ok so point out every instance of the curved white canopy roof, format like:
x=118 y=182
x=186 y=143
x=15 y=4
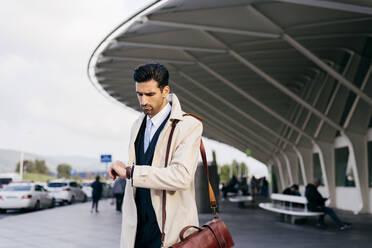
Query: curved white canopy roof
x=264 y=75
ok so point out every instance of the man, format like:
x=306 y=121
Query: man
x=316 y=203
x=293 y=190
x=142 y=217
x=118 y=191
x=96 y=193
x=232 y=186
x=254 y=185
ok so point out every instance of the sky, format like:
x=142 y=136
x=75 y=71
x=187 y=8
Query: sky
x=47 y=104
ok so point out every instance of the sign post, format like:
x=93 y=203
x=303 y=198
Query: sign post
x=106 y=158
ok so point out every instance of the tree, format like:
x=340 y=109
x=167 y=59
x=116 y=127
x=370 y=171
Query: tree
x=64 y=170
x=225 y=173
x=235 y=166
x=41 y=167
x=244 y=169
x=37 y=166
x=28 y=166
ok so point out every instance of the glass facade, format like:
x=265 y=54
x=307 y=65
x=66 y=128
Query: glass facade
x=317 y=169
x=344 y=172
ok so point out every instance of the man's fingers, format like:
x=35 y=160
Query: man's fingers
x=112 y=173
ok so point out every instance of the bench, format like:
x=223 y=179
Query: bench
x=241 y=199
x=291 y=206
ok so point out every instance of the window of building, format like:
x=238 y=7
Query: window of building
x=344 y=172
x=317 y=169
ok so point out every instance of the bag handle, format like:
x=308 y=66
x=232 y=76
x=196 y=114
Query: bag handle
x=174 y=123
x=212 y=198
x=182 y=233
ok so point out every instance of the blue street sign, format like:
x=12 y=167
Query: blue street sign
x=106 y=158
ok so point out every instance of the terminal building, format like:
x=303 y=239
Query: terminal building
x=288 y=79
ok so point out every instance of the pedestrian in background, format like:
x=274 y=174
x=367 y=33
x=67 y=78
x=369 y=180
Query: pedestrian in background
x=96 y=193
x=265 y=187
x=254 y=185
x=118 y=191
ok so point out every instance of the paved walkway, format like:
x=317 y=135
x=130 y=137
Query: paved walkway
x=253 y=227
x=63 y=227
x=75 y=227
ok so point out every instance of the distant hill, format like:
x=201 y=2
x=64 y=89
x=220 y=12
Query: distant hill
x=9 y=159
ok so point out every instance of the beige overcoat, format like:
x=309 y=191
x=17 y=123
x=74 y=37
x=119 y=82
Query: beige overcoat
x=177 y=179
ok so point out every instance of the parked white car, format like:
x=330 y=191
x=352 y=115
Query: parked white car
x=87 y=189
x=25 y=196
x=66 y=191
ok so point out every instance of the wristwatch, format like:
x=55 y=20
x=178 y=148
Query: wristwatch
x=128 y=172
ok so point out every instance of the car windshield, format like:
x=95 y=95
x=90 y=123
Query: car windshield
x=5 y=181
x=56 y=185
x=17 y=188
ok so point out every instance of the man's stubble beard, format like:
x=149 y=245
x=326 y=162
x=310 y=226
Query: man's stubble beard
x=147 y=111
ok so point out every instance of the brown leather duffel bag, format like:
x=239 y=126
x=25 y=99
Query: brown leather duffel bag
x=214 y=233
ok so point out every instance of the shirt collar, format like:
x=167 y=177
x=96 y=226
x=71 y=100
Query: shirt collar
x=160 y=117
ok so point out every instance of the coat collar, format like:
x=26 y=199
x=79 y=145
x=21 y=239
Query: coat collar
x=176 y=112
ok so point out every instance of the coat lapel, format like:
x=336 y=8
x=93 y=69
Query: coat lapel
x=132 y=150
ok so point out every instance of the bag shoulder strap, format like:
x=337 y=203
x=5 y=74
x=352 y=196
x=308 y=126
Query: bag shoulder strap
x=212 y=198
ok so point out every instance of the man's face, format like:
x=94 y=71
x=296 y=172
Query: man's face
x=150 y=97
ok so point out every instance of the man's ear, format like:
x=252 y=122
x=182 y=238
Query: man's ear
x=165 y=91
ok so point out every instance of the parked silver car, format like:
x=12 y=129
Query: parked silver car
x=25 y=196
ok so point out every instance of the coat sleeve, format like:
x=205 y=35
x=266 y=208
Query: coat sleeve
x=181 y=170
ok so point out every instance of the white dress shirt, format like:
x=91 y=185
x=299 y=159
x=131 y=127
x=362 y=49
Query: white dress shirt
x=152 y=124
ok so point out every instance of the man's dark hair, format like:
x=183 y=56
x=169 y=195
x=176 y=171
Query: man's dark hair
x=295 y=186
x=155 y=71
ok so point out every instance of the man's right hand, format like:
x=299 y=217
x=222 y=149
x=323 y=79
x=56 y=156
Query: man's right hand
x=117 y=169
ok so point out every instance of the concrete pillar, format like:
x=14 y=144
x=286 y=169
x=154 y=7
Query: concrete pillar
x=307 y=156
x=270 y=172
x=293 y=162
x=281 y=177
x=201 y=187
x=326 y=155
x=288 y=168
x=301 y=163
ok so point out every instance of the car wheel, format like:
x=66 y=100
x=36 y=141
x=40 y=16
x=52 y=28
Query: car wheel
x=53 y=203
x=37 y=205
x=72 y=200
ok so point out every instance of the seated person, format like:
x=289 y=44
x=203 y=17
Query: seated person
x=232 y=186
x=293 y=190
x=243 y=186
x=316 y=203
